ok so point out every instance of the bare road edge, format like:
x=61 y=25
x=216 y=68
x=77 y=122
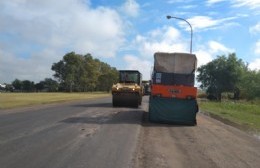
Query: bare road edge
x=244 y=128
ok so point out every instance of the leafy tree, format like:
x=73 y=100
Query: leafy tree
x=90 y=77
x=222 y=75
x=9 y=88
x=51 y=85
x=250 y=85
x=48 y=85
x=59 y=69
x=66 y=69
x=17 y=84
x=39 y=86
x=83 y=73
x=27 y=86
x=107 y=78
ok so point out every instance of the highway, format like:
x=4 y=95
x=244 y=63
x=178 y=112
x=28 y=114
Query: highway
x=88 y=134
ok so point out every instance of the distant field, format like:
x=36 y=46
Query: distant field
x=242 y=113
x=12 y=100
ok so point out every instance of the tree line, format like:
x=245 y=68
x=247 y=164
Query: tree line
x=83 y=73
x=228 y=74
x=74 y=73
x=48 y=85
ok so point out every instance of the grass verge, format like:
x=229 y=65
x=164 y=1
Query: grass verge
x=13 y=100
x=244 y=114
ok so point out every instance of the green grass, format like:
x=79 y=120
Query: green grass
x=243 y=113
x=13 y=100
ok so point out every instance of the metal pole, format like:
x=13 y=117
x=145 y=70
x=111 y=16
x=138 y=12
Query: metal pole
x=191 y=32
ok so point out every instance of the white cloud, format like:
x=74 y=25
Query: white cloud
x=131 y=8
x=70 y=24
x=216 y=47
x=169 y=39
x=257 y=48
x=209 y=51
x=211 y=2
x=45 y=30
x=203 y=57
x=173 y=1
x=135 y=63
x=189 y=6
x=200 y=22
x=255 y=65
x=252 y=4
x=205 y=22
x=255 y=29
x=36 y=68
x=166 y=39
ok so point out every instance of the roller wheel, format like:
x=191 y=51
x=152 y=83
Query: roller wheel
x=114 y=102
x=136 y=103
x=140 y=100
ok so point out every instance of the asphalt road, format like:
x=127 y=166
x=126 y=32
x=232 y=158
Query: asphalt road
x=80 y=134
x=94 y=134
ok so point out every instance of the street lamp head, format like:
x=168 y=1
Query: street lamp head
x=169 y=17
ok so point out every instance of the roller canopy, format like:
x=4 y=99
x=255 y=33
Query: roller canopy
x=181 y=63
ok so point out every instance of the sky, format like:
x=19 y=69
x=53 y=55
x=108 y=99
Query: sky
x=123 y=33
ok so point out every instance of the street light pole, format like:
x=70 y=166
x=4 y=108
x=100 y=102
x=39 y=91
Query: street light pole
x=191 y=32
